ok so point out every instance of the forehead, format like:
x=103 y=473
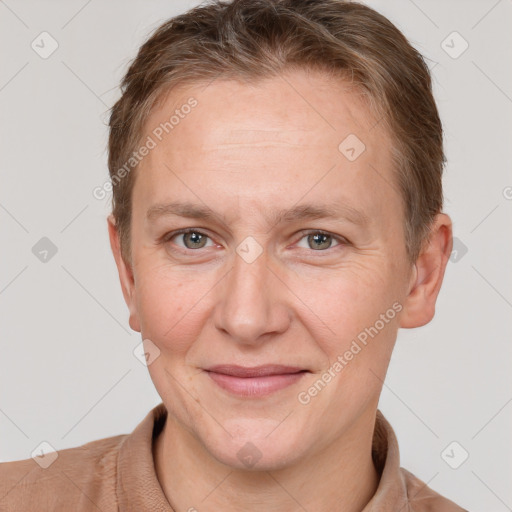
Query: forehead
x=273 y=140
x=296 y=107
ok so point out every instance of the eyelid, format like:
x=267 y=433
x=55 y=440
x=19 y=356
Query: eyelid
x=170 y=235
x=342 y=241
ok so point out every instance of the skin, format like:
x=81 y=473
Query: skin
x=245 y=151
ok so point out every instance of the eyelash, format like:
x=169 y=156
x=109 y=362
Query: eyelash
x=305 y=232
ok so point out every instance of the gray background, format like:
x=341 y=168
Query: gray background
x=67 y=370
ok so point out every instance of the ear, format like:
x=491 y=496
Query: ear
x=427 y=275
x=125 y=274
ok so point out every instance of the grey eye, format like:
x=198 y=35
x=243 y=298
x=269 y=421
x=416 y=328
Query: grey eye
x=190 y=239
x=319 y=241
x=196 y=240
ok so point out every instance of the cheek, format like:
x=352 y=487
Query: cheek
x=358 y=313
x=170 y=306
x=346 y=301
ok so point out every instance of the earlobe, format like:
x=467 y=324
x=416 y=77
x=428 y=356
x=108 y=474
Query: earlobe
x=427 y=275
x=125 y=272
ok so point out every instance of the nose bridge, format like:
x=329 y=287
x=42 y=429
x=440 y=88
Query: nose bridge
x=249 y=306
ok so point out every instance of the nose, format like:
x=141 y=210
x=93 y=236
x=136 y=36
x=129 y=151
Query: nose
x=251 y=304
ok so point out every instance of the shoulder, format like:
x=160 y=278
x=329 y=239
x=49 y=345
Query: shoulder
x=78 y=478
x=424 y=499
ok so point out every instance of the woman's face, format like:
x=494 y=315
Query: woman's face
x=262 y=279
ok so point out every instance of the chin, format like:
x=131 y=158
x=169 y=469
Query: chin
x=257 y=449
x=250 y=457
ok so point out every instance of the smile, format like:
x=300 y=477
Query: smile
x=254 y=382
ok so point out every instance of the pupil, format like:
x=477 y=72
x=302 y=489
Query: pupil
x=320 y=238
x=195 y=237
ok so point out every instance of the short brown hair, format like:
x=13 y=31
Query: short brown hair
x=257 y=39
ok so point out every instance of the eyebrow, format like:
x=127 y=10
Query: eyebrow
x=299 y=212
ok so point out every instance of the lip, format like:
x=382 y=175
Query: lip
x=254 y=371
x=257 y=381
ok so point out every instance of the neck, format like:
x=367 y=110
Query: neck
x=341 y=477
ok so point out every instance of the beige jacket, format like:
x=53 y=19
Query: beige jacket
x=118 y=474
